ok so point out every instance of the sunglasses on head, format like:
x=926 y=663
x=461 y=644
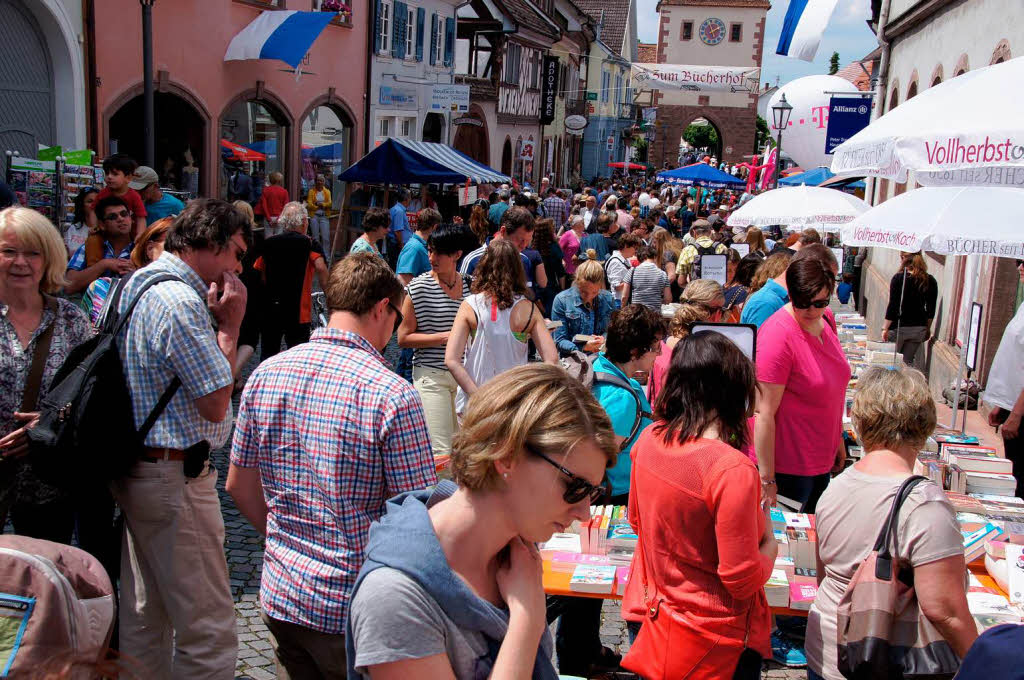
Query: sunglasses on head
x=576 y=488
x=817 y=304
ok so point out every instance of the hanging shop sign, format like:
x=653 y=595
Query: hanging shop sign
x=454 y=98
x=468 y=120
x=548 y=90
x=398 y=97
x=591 y=96
x=575 y=123
x=846 y=117
x=695 y=78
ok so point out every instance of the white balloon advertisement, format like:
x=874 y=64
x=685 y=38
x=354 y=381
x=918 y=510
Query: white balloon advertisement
x=804 y=137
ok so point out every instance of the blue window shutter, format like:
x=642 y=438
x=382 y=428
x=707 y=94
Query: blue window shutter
x=433 y=38
x=449 y=41
x=421 y=15
x=399 y=20
x=376 y=32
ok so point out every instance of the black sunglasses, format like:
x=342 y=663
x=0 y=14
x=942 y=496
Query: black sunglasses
x=577 y=488
x=817 y=304
x=399 y=317
x=115 y=216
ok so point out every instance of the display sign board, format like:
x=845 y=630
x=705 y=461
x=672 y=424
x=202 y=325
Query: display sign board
x=742 y=248
x=575 y=124
x=743 y=335
x=972 y=339
x=695 y=78
x=591 y=96
x=526 y=154
x=548 y=90
x=714 y=267
x=846 y=117
x=398 y=97
x=467 y=195
x=454 y=98
x=838 y=252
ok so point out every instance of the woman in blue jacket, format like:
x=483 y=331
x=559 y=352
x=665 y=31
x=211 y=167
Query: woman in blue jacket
x=583 y=309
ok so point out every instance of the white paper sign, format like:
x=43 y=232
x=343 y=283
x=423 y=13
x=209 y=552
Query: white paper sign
x=742 y=248
x=467 y=195
x=695 y=78
x=714 y=267
x=1015 y=572
x=838 y=252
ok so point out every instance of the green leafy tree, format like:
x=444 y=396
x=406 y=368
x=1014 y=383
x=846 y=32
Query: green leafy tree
x=833 y=64
x=700 y=136
x=763 y=136
x=641 y=148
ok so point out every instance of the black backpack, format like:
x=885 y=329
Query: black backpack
x=86 y=430
x=701 y=252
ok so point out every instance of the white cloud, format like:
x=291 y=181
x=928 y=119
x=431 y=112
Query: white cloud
x=852 y=12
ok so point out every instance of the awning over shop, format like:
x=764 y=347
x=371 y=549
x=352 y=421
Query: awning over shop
x=402 y=161
x=700 y=173
x=815 y=178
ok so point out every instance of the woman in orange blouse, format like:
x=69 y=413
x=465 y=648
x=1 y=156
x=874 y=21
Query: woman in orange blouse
x=706 y=547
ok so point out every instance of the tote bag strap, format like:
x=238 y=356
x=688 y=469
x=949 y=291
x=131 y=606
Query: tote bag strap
x=883 y=563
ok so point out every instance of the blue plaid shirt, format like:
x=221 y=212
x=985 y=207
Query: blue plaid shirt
x=556 y=209
x=77 y=262
x=171 y=334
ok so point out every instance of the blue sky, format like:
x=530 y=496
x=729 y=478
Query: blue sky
x=847 y=34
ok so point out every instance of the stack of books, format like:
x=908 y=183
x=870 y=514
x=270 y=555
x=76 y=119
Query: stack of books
x=565 y=543
x=802 y=594
x=592 y=578
x=777 y=589
x=975 y=539
x=566 y=562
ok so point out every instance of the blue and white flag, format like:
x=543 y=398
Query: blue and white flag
x=803 y=26
x=285 y=35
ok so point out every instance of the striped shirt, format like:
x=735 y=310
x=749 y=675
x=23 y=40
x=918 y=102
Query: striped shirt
x=435 y=313
x=647 y=284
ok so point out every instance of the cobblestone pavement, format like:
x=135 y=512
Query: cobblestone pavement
x=244 y=550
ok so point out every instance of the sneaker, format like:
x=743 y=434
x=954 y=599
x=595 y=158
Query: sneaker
x=785 y=652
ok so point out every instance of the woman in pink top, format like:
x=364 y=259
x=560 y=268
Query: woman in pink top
x=803 y=375
x=701 y=301
x=570 y=243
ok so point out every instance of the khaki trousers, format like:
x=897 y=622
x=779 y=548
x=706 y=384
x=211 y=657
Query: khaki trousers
x=177 y=616
x=437 y=391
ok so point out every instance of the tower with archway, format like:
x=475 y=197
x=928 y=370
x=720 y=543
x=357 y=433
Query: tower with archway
x=699 y=32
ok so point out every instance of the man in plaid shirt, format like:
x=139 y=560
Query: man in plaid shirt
x=176 y=612
x=555 y=208
x=325 y=434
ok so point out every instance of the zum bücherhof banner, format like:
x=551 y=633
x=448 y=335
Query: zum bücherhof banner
x=695 y=78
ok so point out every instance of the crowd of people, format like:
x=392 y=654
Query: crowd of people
x=372 y=568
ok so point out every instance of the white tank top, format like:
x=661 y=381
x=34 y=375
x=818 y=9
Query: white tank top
x=494 y=348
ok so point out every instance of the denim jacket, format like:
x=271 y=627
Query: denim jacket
x=577 y=319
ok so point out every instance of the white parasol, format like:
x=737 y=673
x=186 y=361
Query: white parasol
x=944 y=220
x=966 y=131
x=799 y=207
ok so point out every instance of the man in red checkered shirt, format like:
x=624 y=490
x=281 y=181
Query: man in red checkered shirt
x=325 y=434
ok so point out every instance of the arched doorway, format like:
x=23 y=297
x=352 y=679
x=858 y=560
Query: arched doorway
x=517 y=161
x=27 y=111
x=326 y=147
x=180 y=134
x=256 y=136
x=506 y=157
x=702 y=138
x=471 y=136
x=433 y=128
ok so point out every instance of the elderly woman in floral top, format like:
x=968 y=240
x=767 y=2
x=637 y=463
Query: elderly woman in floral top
x=32 y=262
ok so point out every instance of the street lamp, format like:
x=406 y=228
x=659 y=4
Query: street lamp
x=780 y=115
x=148 y=124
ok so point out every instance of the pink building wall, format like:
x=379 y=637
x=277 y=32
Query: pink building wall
x=190 y=38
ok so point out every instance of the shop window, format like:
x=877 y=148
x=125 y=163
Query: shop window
x=342 y=8
x=257 y=143
x=273 y=4
x=407 y=126
x=686 y=30
x=735 y=32
x=326 y=143
x=438 y=46
x=385 y=127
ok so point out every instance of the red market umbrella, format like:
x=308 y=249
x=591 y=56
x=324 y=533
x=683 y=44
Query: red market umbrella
x=632 y=166
x=242 y=153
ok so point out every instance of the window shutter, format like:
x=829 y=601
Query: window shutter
x=376 y=32
x=400 y=17
x=449 y=40
x=421 y=15
x=433 y=38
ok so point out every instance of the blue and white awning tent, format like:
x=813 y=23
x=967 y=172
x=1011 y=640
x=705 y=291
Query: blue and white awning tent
x=816 y=177
x=281 y=34
x=700 y=173
x=403 y=161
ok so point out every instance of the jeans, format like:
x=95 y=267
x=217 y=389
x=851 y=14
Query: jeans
x=578 y=640
x=1014 y=450
x=404 y=367
x=302 y=653
x=802 y=489
x=320 y=231
x=48 y=521
x=811 y=675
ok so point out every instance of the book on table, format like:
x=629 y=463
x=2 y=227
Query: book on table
x=975 y=540
x=990 y=483
x=777 y=589
x=590 y=578
x=801 y=595
x=979 y=463
x=563 y=542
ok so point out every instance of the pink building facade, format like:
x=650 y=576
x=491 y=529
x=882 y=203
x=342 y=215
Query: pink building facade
x=299 y=124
